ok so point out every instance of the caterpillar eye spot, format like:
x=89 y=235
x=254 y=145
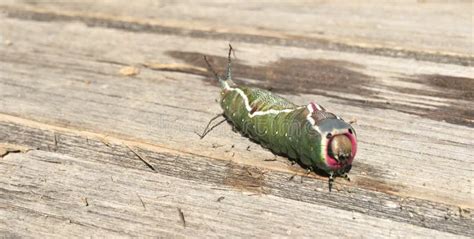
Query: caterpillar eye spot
x=329 y=135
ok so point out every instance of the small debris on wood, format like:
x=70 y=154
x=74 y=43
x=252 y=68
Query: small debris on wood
x=291 y=177
x=105 y=142
x=228 y=150
x=391 y=204
x=214 y=145
x=55 y=142
x=269 y=160
x=353 y=121
x=248 y=148
x=5 y=152
x=181 y=216
x=6 y=149
x=129 y=71
x=86 y=202
x=175 y=68
x=220 y=199
x=141 y=158
x=464 y=212
x=248 y=172
x=143 y=204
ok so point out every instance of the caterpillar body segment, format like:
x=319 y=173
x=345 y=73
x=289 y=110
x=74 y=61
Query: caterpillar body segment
x=309 y=134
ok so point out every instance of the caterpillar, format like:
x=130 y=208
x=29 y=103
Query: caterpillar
x=319 y=140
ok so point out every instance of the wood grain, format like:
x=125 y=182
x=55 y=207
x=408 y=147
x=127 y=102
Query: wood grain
x=81 y=182
x=381 y=26
x=63 y=97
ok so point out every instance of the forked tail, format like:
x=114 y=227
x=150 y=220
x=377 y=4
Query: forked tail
x=228 y=76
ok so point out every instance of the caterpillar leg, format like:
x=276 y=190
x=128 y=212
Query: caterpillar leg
x=207 y=129
x=331 y=181
x=346 y=177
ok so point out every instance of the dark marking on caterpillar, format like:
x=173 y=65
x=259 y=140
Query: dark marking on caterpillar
x=319 y=140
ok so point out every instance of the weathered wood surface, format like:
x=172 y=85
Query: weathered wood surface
x=69 y=120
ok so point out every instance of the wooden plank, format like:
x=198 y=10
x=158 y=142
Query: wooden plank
x=83 y=186
x=62 y=78
x=381 y=28
x=177 y=105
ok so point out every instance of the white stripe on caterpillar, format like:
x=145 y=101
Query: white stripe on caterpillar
x=257 y=113
x=310 y=119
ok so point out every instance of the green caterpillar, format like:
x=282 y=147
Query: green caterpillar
x=309 y=134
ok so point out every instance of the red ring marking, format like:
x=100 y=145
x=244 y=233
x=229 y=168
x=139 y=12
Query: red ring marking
x=332 y=163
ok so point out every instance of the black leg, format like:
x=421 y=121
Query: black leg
x=207 y=129
x=331 y=181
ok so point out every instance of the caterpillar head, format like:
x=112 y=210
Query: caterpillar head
x=337 y=139
x=340 y=149
x=339 y=144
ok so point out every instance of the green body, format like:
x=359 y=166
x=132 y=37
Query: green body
x=309 y=134
x=285 y=131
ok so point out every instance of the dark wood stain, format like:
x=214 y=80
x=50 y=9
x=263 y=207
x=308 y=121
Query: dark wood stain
x=296 y=41
x=447 y=86
x=334 y=78
x=463 y=84
x=372 y=170
x=377 y=185
x=245 y=178
x=450 y=87
x=289 y=75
